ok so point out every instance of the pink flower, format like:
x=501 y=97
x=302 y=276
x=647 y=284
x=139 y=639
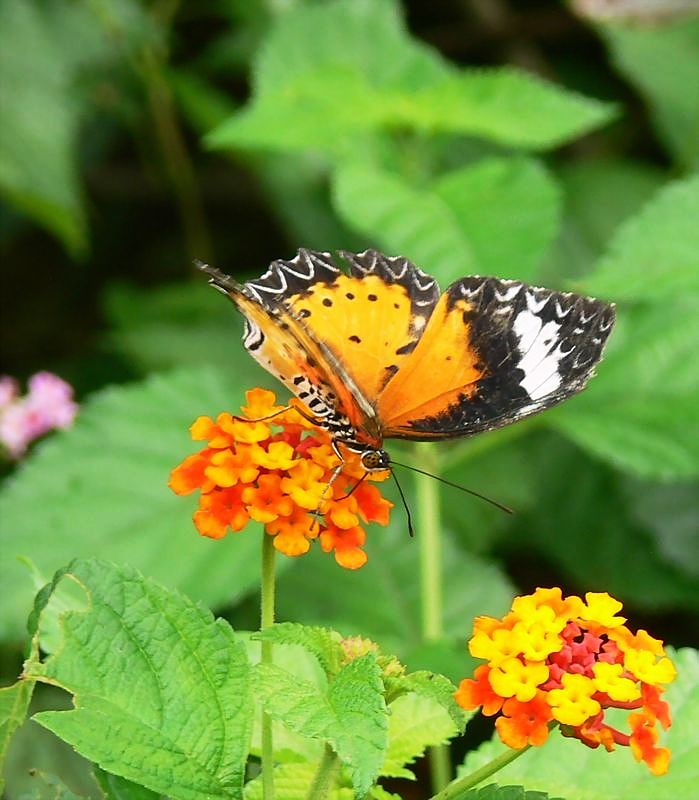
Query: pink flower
x=48 y=404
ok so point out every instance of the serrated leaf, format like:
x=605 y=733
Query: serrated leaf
x=299 y=704
x=360 y=731
x=416 y=723
x=662 y=62
x=103 y=490
x=496 y=217
x=335 y=71
x=640 y=412
x=655 y=255
x=14 y=703
x=431 y=686
x=161 y=689
x=351 y=716
x=323 y=643
x=565 y=767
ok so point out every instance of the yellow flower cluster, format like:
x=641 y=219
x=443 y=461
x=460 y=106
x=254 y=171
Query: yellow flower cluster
x=566 y=660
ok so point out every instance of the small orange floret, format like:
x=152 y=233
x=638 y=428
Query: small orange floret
x=524 y=723
x=275 y=467
x=479 y=692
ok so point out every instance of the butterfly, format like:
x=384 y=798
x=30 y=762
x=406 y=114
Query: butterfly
x=375 y=351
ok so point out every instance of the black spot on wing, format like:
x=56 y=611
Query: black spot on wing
x=422 y=289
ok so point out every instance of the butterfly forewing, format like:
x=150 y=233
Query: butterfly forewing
x=493 y=352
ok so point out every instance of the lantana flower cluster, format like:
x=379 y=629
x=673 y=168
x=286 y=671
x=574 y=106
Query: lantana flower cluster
x=47 y=405
x=275 y=467
x=564 y=660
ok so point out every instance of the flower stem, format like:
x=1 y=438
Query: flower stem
x=429 y=535
x=460 y=786
x=325 y=775
x=267 y=620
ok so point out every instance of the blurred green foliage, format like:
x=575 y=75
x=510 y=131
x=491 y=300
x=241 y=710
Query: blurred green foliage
x=137 y=136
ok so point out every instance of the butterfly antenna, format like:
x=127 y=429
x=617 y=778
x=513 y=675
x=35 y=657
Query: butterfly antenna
x=217 y=278
x=490 y=500
x=411 y=530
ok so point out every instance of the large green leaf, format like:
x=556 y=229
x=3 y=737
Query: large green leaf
x=38 y=170
x=662 y=61
x=498 y=216
x=46 y=93
x=566 y=768
x=655 y=255
x=640 y=412
x=161 y=689
x=598 y=195
x=326 y=74
x=101 y=488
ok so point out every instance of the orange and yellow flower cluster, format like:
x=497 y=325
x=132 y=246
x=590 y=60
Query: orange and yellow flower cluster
x=564 y=660
x=279 y=472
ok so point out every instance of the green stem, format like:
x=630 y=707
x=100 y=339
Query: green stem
x=325 y=775
x=429 y=534
x=266 y=621
x=459 y=787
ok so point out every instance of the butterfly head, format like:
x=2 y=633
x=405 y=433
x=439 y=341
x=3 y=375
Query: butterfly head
x=374 y=460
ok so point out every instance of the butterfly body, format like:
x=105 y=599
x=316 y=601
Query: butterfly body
x=378 y=352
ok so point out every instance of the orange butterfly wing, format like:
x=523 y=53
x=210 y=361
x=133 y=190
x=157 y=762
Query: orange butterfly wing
x=493 y=352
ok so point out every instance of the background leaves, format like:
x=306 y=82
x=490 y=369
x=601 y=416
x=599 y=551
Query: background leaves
x=137 y=137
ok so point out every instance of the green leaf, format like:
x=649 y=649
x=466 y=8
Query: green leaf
x=671 y=514
x=431 y=686
x=335 y=71
x=640 y=412
x=655 y=255
x=662 y=62
x=498 y=216
x=291 y=782
x=494 y=792
x=298 y=703
x=183 y=324
x=598 y=195
x=566 y=768
x=115 y=787
x=103 y=490
x=45 y=786
x=587 y=524
x=360 y=731
x=161 y=689
x=416 y=723
x=323 y=643
x=14 y=703
x=38 y=170
x=351 y=716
